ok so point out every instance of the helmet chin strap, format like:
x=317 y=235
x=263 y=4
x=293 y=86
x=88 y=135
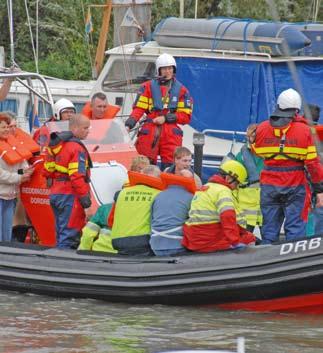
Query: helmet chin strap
x=163 y=80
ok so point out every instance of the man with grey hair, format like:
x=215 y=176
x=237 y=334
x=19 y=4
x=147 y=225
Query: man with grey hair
x=99 y=108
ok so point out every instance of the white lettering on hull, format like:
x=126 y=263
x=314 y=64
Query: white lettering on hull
x=39 y=201
x=298 y=246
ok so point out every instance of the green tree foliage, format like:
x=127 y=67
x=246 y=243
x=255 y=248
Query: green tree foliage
x=64 y=47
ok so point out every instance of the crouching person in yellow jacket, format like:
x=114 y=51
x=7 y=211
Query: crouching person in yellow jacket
x=129 y=217
x=96 y=235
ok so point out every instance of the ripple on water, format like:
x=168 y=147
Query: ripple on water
x=39 y=324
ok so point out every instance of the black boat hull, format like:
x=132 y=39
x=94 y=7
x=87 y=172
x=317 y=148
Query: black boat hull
x=262 y=273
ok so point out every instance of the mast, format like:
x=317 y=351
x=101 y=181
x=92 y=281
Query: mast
x=99 y=57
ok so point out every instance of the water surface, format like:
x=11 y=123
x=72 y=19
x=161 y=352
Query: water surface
x=40 y=324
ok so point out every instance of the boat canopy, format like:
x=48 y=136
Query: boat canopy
x=231 y=94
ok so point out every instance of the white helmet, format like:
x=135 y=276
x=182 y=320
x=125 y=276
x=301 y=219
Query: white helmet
x=289 y=99
x=165 y=60
x=61 y=105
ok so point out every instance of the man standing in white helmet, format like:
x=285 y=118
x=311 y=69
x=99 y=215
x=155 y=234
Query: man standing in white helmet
x=166 y=103
x=64 y=109
x=286 y=144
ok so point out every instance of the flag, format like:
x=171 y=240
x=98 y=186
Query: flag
x=33 y=116
x=129 y=20
x=88 y=22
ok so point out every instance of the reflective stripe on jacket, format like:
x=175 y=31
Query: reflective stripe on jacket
x=248 y=200
x=155 y=100
x=207 y=205
x=68 y=164
x=288 y=147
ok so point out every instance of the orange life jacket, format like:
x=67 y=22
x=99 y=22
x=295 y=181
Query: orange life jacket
x=26 y=140
x=173 y=179
x=110 y=113
x=136 y=178
x=12 y=151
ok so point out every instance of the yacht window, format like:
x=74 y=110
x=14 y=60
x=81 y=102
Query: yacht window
x=9 y=105
x=127 y=76
x=78 y=107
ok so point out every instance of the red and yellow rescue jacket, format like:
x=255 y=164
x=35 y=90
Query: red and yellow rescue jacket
x=212 y=223
x=68 y=163
x=286 y=151
x=156 y=100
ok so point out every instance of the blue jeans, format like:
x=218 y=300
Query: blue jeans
x=318 y=220
x=7 y=209
x=279 y=204
x=69 y=220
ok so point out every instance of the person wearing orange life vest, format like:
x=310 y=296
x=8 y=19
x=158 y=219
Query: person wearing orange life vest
x=64 y=109
x=213 y=218
x=67 y=169
x=286 y=144
x=98 y=108
x=12 y=174
x=166 y=103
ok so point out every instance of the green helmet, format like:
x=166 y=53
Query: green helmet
x=234 y=169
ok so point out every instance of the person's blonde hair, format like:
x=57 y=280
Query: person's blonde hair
x=152 y=170
x=138 y=163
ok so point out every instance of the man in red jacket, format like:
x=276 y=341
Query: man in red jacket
x=166 y=103
x=67 y=169
x=286 y=144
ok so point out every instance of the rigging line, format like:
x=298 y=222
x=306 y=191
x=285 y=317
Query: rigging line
x=125 y=62
x=37 y=33
x=31 y=36
x=316 y=11
x=88 y=39
x=10 y=19
x=295 y=76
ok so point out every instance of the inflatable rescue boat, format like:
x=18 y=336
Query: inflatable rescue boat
x=282 y=277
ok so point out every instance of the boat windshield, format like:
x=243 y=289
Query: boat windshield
x=102 y=132
x=127 y=77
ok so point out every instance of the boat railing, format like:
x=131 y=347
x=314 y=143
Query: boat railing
x=204 y=52
x=21 y=76
x=231 y=133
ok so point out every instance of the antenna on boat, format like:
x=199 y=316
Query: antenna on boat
x=31 y=33
x=315 y=6
x=12 y=46
x=196 y=6
x=295 y=77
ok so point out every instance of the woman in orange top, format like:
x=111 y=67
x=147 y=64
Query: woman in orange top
x=11 y=176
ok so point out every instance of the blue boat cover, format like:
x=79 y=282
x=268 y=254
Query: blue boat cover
x=231 y=94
